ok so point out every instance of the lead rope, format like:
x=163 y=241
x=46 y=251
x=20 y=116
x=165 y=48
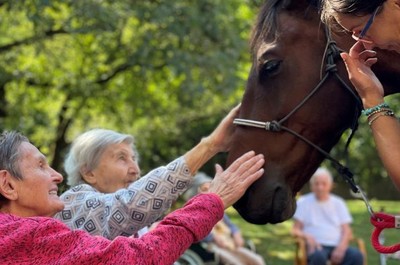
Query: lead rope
x=383 y=221
x=380 y=221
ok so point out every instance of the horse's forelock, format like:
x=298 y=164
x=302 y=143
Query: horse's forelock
x=266 y=24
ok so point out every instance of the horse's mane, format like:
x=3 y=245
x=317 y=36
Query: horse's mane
x=266 y=24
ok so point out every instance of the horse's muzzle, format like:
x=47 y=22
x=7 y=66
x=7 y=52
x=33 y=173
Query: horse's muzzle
x=274 y=204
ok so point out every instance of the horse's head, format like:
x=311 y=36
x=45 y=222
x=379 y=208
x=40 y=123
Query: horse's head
x=288 y=48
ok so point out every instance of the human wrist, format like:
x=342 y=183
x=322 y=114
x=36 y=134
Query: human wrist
x=199 y=155
x=342 y=246
x=217 y=197
x=376 y=115
x=370 y=102
x=379 y=110
x=209 y=146
x=375 y=109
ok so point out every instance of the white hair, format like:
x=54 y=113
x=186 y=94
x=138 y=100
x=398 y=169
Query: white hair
x=86 y=150
x=322 y=171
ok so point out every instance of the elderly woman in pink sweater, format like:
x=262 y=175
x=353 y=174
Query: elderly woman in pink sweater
x=29 y=235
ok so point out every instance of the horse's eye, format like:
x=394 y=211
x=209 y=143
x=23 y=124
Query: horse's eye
x=270 y=68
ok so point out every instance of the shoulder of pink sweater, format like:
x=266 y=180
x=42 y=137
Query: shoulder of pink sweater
x=34 y=219
x=29 y=223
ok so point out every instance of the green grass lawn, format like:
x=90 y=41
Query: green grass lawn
x=276 y=245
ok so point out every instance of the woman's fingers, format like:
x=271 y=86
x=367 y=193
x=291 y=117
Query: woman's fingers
x=240 y=161
x=363 y=56
x=231 y=184
x=371 y=61
x=358 y=63
x=356 y=49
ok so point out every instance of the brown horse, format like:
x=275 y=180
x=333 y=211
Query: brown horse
x=296 y=103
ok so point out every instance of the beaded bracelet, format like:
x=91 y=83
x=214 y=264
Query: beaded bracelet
x=380 y=114
x=368 y=111
x=377 y=111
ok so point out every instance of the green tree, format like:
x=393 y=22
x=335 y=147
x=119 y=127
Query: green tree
x=164 y=71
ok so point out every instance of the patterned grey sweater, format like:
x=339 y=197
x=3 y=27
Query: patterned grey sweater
x=126 y=211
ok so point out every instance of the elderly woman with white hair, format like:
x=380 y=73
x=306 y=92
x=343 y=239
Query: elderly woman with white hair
x=107 y=197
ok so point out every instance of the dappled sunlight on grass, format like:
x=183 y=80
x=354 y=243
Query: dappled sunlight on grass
x=283 y=255
x=276 y=245
x=273 y=242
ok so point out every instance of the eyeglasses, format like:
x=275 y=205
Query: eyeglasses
x=361 y=36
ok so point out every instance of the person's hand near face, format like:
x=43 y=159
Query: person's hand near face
x=358 y=63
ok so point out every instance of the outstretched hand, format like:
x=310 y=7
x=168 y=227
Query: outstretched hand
x=221 y=137
x=232 y=183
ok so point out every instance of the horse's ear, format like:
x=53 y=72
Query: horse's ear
x=300 y=4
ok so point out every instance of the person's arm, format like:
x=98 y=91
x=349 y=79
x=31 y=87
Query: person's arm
x=47 y=241
x=343 y=214
x=128 y=210
x=385 y=129
x=218 y=141
x=340 y=250
x=298 y=231
x=386 y=133
x=232 y=227
x=235 y=232
x=181 y=228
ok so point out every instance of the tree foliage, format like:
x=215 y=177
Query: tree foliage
x=132 y=66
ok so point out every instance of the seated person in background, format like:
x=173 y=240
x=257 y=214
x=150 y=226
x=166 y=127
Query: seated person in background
x=106 y=197
x=225 y=239
x=28 y=199
x=323 y=220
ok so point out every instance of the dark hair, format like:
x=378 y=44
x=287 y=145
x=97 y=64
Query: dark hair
x=352 y=7
x=9 y=152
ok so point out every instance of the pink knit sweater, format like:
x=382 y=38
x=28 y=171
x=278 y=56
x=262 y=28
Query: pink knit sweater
x=42 y=240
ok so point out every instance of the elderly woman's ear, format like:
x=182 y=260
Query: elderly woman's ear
x=7 y=185
x=87 y=175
